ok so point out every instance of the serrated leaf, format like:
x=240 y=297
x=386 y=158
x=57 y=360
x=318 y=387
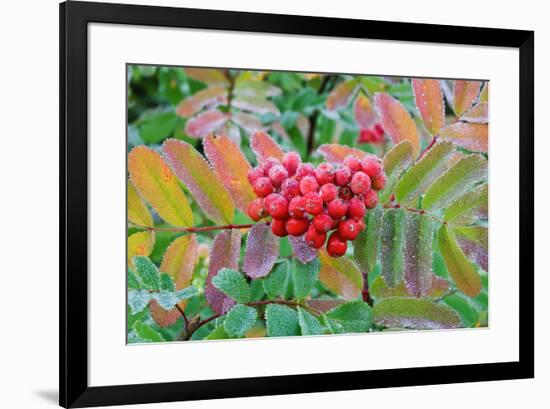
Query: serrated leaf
x=218 y=333
x=200 y=179
x=464 y=95
x=467 y=172
x=147 y=333
x=162 y=317
x=166 y=299
x=392 y=246
x=208 y=76
x=232 y=168
x=300 y=250
x=414 y=313
x=478 y=114
x=336 y=153
x=281 y=321
x=233 y=284
x=138 y=213
x=324 y=305
x=246 y=121
x=255 y=104
x=140 y=244
x=353 y=316
x=214 y=95
x=138 y=300
x=474 y=242
x=423 y=172
x=133 y=281
x=419 y=234
x=156 y=183
x=205 y=123
x=461 y=269
x=166 y=282
x=469 y=208
x=253 y=88
x=305 y=277
x=179 y=260
x=367 y=243
x=262 y=250
x=474 y=137
x=340 y=275
x=147 y=272
x=186 y=293
x=429 y=100
x=309 y=325
x=239 y=319
x=396 y=121
x=395 y=162
x=484 y=94
x=264 y=146
x=342 y=94
x=275 y=283
x=365 y=115
x=225 y=253
x=379 y=289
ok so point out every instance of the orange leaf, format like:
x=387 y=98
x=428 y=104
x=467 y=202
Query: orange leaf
x=478 y=114
x=484 y=94
x=474 y=137
x=341 y=95
x=232 y=168
x=429 y=100
x=336 y=153
x=156 y=183
x=365 y=116
x=464 y=95
x=163 y=317
x=264 y=146
x=208 y=76
x=138 y=213
x=340 y=275
x=396 y=121
x=179 y=260
x=205 y=123
x=214 y=95
x=140 y=244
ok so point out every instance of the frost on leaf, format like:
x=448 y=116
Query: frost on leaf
x=478 y=114
x=264 y=146
x=395 y=162
x=367 y=243
x=342 y=94
x=281 y=321
x=138 y=213
x=140 y=244
x=464 y=95
x=469 y=208
x=474 y=242
x=275 y=283
x=309 y=325
x=429 y=100
x=262 y=249
x=239 y=320
x=365 y=115
x=205 y=123
x=471 y=136
x=301 y=251
x=392 y=246
x=225 y=253
x=353 y=316
x=305 y=277
x=336 y=153
x=418 y=254
x=233 y=284
x=340 y=275
x=208 y=97
x=147 y=272
x=246 y=121
x=138 y=300
x=208 y=76
x=379 y=289
x=162 y=317
x=256 y=105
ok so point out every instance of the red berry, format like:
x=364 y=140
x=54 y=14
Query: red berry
x=348 y=229
x=337 y=208
x=371 y=199
x=278 y=227
x=291 y=161
x=379 y=130
x=290 y=188
x=371 y=166
x=254 y=174
x=360 y=183
x=353 y=163
x=345 y=193
x=361 y=225
x=304 y=169
x=277 y=174
x=379 y=182
x=356 y=208
x=335 y=223
x=322 y=222
x=268 y=163
x=297 y=207
x=277 y=206
x=314 y=203
x=324 y=173
x=256 y=209
x=315 y=238
x=329 y=192
x=297 y=226
x=336 y=247
x=262 y=186
x=366 y=136
x=342 y=176
x=308 y=184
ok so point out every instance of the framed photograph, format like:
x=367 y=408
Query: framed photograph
x=256 y=204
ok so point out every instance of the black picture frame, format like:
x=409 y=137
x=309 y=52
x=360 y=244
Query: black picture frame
x=73 y=382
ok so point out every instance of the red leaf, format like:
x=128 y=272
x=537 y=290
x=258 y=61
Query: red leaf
x=429 y=100
x=205 y=123
x=162 y=317
x=464 y=95
x=342 y=94
x=478 y=114
x=246 y=121
x=365 y=115
x=336 y=153
x=264 y=146
x=215 y=95
x=474 y=137
x=257 y=105
x=262 y=249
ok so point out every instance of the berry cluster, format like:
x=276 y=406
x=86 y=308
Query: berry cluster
x=302 y=199
x=374 y=134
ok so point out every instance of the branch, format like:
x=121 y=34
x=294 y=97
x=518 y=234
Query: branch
x=413 y=210
x=195 y=229
x=365 y=293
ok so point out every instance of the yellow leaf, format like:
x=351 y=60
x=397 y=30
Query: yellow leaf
x=138 y=213
x=179 y=260
x=340 y=275
x=140 y=244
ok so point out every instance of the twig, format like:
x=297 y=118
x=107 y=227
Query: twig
x=430 y=145
x=365 y=293
x=413 y=210
x=195 y=229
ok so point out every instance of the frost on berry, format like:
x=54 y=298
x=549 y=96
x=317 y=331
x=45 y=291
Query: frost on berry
x=291 y=161
x=342 y=176
x=329 y=192
x=277 y=174
x=308 y=184
x=303 y=253
x=360 y=183
x=296 y=226
x=297 y=207
x=278 y=228
x=262 y=249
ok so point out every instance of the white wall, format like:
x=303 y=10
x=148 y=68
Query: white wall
x=29 y=200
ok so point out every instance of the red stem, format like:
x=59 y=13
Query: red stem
x=196 y=229
x=432 y=143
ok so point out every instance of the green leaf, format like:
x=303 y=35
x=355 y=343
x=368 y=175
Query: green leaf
x=147 y=272
x=365 y=246
x=395 y=162
x=166 y=282
x=275 y=283
x=133 y=281
x=392 y=239
x=414 y=313
x=155 y=126
x=455 y=182
x=305 y=276
x=138 y=300
x=379 y=289
x=340 y=275
x=309 y=325
x=147 y=333
x=233 y=284
x=420 y=175
x=239 y=320
x=465 y=309
x=468 y=208
x=353 y=316
x=281 y=321
x=461 y=269
x=474 y=242
x=166 y=299
x=418 y=254
x=218 y=333
x=186 y=293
